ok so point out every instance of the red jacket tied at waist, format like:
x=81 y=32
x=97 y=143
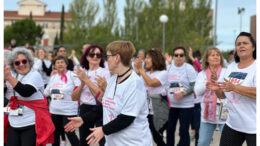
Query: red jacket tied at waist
x=44 y=127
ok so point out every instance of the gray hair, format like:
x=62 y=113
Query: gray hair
x=18 y=51
x=7 y=54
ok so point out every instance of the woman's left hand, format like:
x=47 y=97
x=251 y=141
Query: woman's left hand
x=95 y=136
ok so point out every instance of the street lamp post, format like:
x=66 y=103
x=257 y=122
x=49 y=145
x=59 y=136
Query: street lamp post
x=136 y=30
x=215 y=22
x=163 y=19
x=240 y=12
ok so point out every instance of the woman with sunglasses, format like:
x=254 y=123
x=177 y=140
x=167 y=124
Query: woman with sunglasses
x=181 y=77
x=239 y=88
x=89 y=93
x=29 y=118
x=155 y=79
x=213 y=69
x=124 y=107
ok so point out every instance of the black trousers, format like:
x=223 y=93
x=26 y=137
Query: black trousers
x=24 y=136
x=231 y=137
x=158 y=139
x=84 y=129
x=59 y=122
x=195 y=121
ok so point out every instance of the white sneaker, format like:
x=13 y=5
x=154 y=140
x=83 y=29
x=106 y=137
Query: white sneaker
x=63 y=143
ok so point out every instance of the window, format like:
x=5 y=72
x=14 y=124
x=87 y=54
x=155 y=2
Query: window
x=53 y=25
x=45 y=25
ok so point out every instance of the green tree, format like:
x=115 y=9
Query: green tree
x=23 y=31
x=62 y=24
x=56 y=40
x=83 y=14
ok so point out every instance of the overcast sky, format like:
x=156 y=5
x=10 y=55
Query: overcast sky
x=228 y=20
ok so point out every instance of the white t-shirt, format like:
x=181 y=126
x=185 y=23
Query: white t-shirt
x=200 y=89
x=38 y=67
x=64 y=106
x=34 y=79
x=179 y=79
x=86 y=96
x=162 y=76
x=242 y=109
x=129 y=98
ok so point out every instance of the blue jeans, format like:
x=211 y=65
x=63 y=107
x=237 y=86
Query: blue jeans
x=206 y=132
x=184 y=115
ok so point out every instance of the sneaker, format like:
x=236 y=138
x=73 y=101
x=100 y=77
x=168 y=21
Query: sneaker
x=63 y=143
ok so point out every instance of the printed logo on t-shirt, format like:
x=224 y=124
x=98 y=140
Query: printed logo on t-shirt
x=237 y=78
x=176 y=87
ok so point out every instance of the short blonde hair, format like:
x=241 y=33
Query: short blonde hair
x=125 y=49
x=205 y=63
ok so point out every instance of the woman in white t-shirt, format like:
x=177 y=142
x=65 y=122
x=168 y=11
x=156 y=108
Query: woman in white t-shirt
x=181 y=77
x=89 y=93
x=239 y=88
x=124 y=105
x=60 y=88
x=28 y=115
x=212 y=65
x=155 y=79
x=41 y=54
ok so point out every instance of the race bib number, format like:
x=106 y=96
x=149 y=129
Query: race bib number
x=56 y=94
x=176 y=88
x=237 y=78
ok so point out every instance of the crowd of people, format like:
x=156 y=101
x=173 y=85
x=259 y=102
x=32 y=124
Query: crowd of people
x=117 y=99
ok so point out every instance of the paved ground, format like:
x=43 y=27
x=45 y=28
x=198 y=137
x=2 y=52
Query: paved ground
x=214 y=142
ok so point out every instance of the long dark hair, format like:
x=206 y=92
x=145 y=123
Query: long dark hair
x=252 y=40
x=158 y=61
x=84 y=62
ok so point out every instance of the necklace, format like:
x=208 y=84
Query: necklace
x=119 y=76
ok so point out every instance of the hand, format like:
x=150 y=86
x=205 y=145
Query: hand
x=101 y=82
x=190 y=52
x=54 y=71
x=73 y=52
x=7 y=73
x=138 y=64
x=178 y=96
x=212 y=85
x=169 y=59
x=95 y=136
x=81 y=74
x=214 y=76
x=227 y=86
x=75 y=122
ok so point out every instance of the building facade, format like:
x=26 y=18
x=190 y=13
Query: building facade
x=50 y=21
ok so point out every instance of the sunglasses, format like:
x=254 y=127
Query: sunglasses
x=176 y=55
x=17 y=63
x=98 y=55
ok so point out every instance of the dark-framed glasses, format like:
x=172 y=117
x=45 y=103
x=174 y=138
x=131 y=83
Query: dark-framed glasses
x=92 y=55
x=18 y=62
x=107 y=56
x=176 y=55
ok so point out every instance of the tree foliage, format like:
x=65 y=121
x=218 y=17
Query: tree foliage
x=83 y=14
x=23 y=31
x=189 y=23
x=61 y=24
